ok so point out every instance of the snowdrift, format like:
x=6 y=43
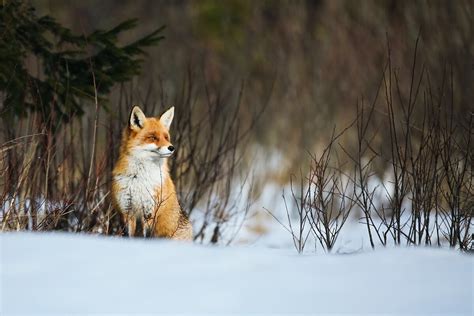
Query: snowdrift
x=60 y=273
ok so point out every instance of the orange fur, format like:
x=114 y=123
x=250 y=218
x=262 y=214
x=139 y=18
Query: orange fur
x=142 y=189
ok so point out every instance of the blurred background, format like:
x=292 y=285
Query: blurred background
x=311 y=61
x=291 y=73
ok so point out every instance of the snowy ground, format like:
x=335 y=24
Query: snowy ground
x=58 y=273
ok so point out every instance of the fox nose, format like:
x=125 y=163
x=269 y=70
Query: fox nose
x=171 y=148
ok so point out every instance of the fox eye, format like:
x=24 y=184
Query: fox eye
x=167 y=137
x=153 y=138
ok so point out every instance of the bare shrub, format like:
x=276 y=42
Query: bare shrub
x=322 y=202
x=427 y=195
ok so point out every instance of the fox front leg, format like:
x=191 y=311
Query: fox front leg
x=131 y=223
x=148 y=224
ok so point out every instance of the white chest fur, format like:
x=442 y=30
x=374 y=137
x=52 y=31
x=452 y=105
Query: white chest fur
x=140 y=185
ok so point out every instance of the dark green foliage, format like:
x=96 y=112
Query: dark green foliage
x=66 y=62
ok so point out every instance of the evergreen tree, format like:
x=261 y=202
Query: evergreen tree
x=66 y=60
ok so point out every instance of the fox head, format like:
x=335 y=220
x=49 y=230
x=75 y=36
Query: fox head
x=148 y=137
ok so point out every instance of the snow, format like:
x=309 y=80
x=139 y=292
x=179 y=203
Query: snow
x=64 y=273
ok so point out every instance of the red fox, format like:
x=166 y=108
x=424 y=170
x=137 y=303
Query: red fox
x=142 y=189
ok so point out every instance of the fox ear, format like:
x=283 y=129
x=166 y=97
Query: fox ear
x=167 y=117
x=137 y=118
